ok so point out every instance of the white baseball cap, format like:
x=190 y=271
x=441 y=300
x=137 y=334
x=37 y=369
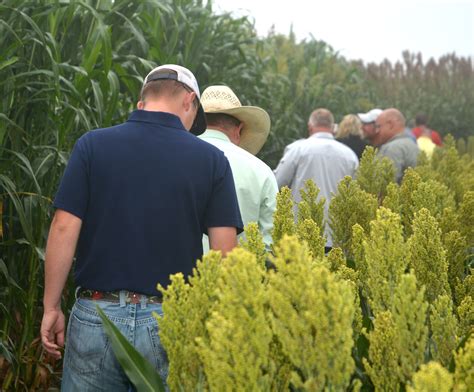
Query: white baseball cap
x=369 y=117
x=186 y=77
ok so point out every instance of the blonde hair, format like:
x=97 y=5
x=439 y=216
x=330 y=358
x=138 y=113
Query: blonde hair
x=350 y=125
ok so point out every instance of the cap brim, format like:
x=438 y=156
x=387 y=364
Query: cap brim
x=365 y=118
x=200 y=124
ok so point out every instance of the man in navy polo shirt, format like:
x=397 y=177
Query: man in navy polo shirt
x=133 y=204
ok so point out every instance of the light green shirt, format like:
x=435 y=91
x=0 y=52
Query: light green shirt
x=255 y=184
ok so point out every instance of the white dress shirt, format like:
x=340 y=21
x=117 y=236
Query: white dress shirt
x=320 y=158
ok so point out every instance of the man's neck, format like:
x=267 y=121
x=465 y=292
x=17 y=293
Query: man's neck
x=388 y=137
x=161 y=106
x=316 y=130
x=224 y=131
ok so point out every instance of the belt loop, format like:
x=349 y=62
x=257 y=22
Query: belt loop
x=143 y=301
x=122 y=296
x=76 y=293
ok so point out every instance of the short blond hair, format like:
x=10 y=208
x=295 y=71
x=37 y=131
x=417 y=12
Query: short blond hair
x=350 y=125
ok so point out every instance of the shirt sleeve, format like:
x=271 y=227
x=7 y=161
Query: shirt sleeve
x=73 y=192
x=286 y=169
x=267 y=208
x=223 y=207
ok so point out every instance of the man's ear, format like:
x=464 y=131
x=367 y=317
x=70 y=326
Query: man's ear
x=237 y=133
x=188 y=100
x=140 y=105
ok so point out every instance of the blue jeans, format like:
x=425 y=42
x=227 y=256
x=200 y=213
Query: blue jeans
x=89 y=362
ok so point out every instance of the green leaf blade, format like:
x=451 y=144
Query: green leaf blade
x=140 y=372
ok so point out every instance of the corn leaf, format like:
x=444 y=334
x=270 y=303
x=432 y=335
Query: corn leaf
x=140 y=372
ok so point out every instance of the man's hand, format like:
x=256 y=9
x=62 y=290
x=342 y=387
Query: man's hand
x=52 y=332
x=60 y=249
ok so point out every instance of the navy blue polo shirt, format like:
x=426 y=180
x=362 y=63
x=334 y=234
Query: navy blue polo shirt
x=145 y=190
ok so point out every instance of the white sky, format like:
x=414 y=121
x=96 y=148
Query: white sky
x=370 y=30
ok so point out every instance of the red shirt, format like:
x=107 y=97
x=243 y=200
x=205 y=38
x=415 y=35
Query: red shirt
x=435 y=136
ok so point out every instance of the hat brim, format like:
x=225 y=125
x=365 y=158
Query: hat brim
x=199 y=124
x=256 y=126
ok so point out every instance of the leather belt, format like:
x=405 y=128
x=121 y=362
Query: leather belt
x=114 y=296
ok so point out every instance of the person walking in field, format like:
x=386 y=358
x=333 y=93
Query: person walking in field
x=368 y=124
x=422 y=130
x=240 y=132
x=349 y=132
x=321 y=158
x=393 y=142
x=132 y=205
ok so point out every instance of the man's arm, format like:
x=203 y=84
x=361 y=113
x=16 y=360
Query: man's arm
x=267 y=209
x=222 y=238
x=62 y=240
x=286 y=169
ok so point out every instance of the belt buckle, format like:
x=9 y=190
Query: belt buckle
x=134 y=298
x=96 y=295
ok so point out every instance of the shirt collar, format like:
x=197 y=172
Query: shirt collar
x=215 y=134
x=400 y=135
x=158 y=118
x=322 y=135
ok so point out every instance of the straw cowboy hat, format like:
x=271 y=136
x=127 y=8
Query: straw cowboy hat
x=256 y=121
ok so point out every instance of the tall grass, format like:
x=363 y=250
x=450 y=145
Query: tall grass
x=65 y=68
